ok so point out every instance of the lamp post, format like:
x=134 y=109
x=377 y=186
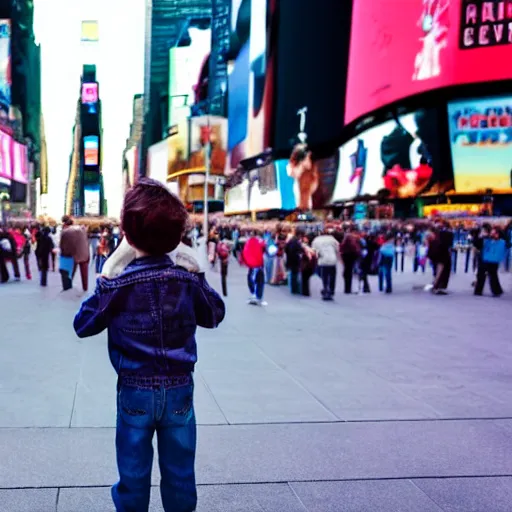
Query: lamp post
x=207 y=164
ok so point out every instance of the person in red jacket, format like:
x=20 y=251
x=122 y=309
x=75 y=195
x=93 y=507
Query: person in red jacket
x=253 y=257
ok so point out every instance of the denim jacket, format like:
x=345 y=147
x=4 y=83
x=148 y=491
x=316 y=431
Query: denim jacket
x=151 y=312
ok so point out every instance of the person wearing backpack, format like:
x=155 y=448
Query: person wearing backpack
x=253 y=257
x=223 y=252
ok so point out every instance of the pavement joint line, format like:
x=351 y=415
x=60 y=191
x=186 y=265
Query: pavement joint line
x=210 y=392
x=427 y=495
x=73 y=406
x=297 y=496
x=283 y=423
x=281 y=482
x=57 y=499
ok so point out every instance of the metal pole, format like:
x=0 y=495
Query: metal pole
x=207 y=163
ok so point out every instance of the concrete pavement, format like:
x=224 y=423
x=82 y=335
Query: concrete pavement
x=371 y=403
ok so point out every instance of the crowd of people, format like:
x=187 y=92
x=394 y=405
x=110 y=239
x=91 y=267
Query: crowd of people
x=287 y=254
x=279 y=253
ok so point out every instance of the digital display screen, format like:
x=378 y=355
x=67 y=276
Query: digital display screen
x=399 y=156
x=90 y=93
x=481 y=144
x=92 y=200
x=401 y=48
x=91 y=150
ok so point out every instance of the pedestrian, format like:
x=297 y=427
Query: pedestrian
x=386 y=258
x=327 y=249
x=350 y=250
x=152 y=310
x=294 y=252
x=223 y=253
x=44 y=250
x=253 y=257
x=493 y=253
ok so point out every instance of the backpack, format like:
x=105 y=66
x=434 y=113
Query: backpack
x=223 y=250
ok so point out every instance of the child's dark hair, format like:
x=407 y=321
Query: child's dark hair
x=153 y=219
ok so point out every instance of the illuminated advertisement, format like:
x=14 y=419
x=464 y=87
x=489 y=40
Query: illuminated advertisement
x=89 y=93
x=5 y=67
x=5 y=156
x=92 y=199
x=185 y=65
x=305 y=182
x=20 y=167
x=400 y=156
x=457 y=210
x=400 y=48
x=90 y=31
x=481 y=144
x=91 y=150
x=250 y=81
x=236 y=199
x=158 y=161
x=187 y=150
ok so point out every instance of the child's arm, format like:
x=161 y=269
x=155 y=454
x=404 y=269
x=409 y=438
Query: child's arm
x=93 y=315
x=209 y=307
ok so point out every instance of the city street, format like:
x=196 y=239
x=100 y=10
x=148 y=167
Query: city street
x=385 y=403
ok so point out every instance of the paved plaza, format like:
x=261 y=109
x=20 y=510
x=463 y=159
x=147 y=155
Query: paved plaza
x=374 y=403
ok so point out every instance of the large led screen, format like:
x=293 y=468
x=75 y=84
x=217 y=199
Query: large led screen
x=89 y=93
x=236 y=199
x=91 y=150
x=311 y=54
x=92 y=200
x=185 y=65
x=250 y=81
x=5 y=67
x=400 y=48
x=20 y=166
x=5 y=156
x=401 y=156
x=481 y=144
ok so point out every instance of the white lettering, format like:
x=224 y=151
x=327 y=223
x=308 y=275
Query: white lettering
x=469 y=37
x=510 y=33
x=488 y=12
x=498 y=32
x=483 y=35
x=471 y=14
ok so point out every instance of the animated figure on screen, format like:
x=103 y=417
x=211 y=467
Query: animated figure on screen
x=302 y=168
x=434 y=24
x=401 y=177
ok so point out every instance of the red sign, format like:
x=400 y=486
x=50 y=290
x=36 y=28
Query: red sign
x=20 y=162
x=400 y=48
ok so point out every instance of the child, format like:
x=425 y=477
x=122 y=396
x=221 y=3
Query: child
x=44 y=250
x=151 y=311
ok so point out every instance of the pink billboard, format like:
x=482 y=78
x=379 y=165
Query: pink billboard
x=19 y=163
x=90 y=93
x=5 y=156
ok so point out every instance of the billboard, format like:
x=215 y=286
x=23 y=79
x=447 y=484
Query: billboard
x=5 y=156
x=481 y=144
x=90 y=93
x=90 y=31
x=91 y=150
x=20 y=166
x=399 y=48
x=5 y=67
x=311 y=71
x=400 y=155
x=185 y=66
x=187 y=146
x=250 y=82
x=92 y=199
x=158 y=161
x=236 y=199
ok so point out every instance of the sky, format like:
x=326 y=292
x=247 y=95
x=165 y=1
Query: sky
x=119 y=57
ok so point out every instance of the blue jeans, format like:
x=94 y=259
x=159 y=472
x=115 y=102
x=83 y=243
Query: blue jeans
x=169 y=412
x=256 y=282
x=385 y=273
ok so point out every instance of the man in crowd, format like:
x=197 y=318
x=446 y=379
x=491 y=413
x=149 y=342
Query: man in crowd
x=74 y=250
x=327 y=249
